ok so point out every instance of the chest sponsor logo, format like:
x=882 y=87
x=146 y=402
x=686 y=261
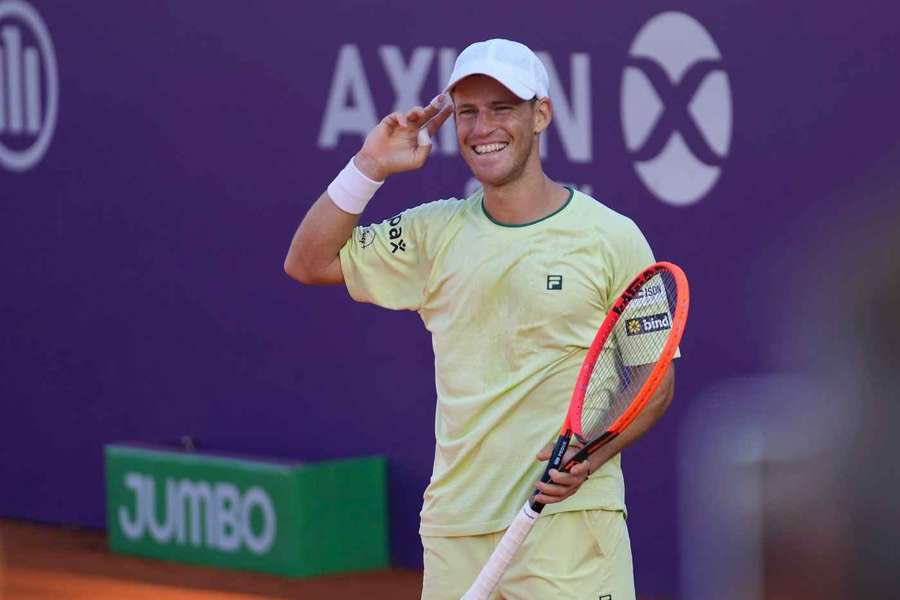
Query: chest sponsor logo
x=395 y=234
x=648 y=324
x=554 y=282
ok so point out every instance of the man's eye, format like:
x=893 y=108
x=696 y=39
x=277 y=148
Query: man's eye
x=503 y=109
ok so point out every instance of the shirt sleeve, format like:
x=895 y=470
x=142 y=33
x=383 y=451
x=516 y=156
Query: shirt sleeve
x=631 y=255
x=637 y=346
x=387 y=263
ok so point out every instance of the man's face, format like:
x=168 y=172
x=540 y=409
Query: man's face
x=495 y=128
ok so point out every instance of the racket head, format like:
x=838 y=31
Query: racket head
x=630 y=354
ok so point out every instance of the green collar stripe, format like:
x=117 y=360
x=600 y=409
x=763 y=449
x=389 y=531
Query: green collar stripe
x=544 y=218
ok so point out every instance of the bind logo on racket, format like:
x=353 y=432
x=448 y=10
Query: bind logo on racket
x=647 y=324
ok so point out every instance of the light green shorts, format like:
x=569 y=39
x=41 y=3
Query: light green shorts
x=583 y=555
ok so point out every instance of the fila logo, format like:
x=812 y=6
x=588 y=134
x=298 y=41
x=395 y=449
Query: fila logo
x=554 y=282
x=29 y=86
x=676 y=108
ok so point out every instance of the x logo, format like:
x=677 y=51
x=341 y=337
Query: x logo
x=676 y=97
x=401 y=245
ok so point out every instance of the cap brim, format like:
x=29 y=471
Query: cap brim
x=507 y=80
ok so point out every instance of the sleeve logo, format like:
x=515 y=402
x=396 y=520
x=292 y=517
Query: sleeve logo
x=395 y=234
x=366 y=237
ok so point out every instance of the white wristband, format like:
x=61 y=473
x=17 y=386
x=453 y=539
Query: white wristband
x=351 y=190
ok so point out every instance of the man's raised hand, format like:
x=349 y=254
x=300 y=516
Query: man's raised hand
x=402 y=142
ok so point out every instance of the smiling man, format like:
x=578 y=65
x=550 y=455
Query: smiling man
x=512 y=283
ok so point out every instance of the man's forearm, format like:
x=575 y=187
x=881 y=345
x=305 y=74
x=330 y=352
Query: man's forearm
x=656 y=406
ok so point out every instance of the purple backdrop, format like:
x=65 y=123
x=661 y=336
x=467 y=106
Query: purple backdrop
x=143 y=295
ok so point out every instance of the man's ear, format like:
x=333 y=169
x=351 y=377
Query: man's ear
x=543 y=114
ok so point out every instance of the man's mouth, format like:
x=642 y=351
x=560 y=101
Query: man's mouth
x=482 y=149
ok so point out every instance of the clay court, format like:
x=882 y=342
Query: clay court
x=43 y=562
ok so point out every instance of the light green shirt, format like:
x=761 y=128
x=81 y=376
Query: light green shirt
x=512 y=311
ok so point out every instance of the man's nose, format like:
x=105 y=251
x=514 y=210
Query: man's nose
x=484 y=123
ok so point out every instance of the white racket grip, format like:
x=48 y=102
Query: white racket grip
x=502 y=555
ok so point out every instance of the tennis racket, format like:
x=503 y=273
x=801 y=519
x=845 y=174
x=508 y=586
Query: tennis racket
x=623 y=368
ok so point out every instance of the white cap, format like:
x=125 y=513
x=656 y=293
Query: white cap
x=511 y=63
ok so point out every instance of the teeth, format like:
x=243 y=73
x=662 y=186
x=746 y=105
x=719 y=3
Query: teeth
x=488 y=148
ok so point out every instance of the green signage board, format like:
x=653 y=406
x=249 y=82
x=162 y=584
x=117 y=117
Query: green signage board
x=288 y=519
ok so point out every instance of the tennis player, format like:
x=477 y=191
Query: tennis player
x=512 y=283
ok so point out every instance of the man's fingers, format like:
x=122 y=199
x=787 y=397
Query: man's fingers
x=428 y=119
x=567 y=479
x=544 y=499
x=435 y=123
x=550 y=492
x=430 y=128
x=420 y=115
x=581 y=470
x=434 y=107
x=563 y=484
x=553 y=489
x=416 y=115
x=395 y=119
x=544 y=454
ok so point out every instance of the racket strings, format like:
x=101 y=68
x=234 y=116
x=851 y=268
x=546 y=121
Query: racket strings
x=629 y=355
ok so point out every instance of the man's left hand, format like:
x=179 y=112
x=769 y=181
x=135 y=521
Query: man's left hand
x=562 y=485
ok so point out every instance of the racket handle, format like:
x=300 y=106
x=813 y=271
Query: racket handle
x=503 y=554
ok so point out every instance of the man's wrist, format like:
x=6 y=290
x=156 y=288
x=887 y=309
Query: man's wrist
x=352 y=189
x=369 y=167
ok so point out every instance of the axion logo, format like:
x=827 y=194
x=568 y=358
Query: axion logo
x=676 y=108
x=406 y=76
x=29 y=86
x=217 y=516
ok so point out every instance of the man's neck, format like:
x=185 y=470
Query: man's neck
x=529 y=198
